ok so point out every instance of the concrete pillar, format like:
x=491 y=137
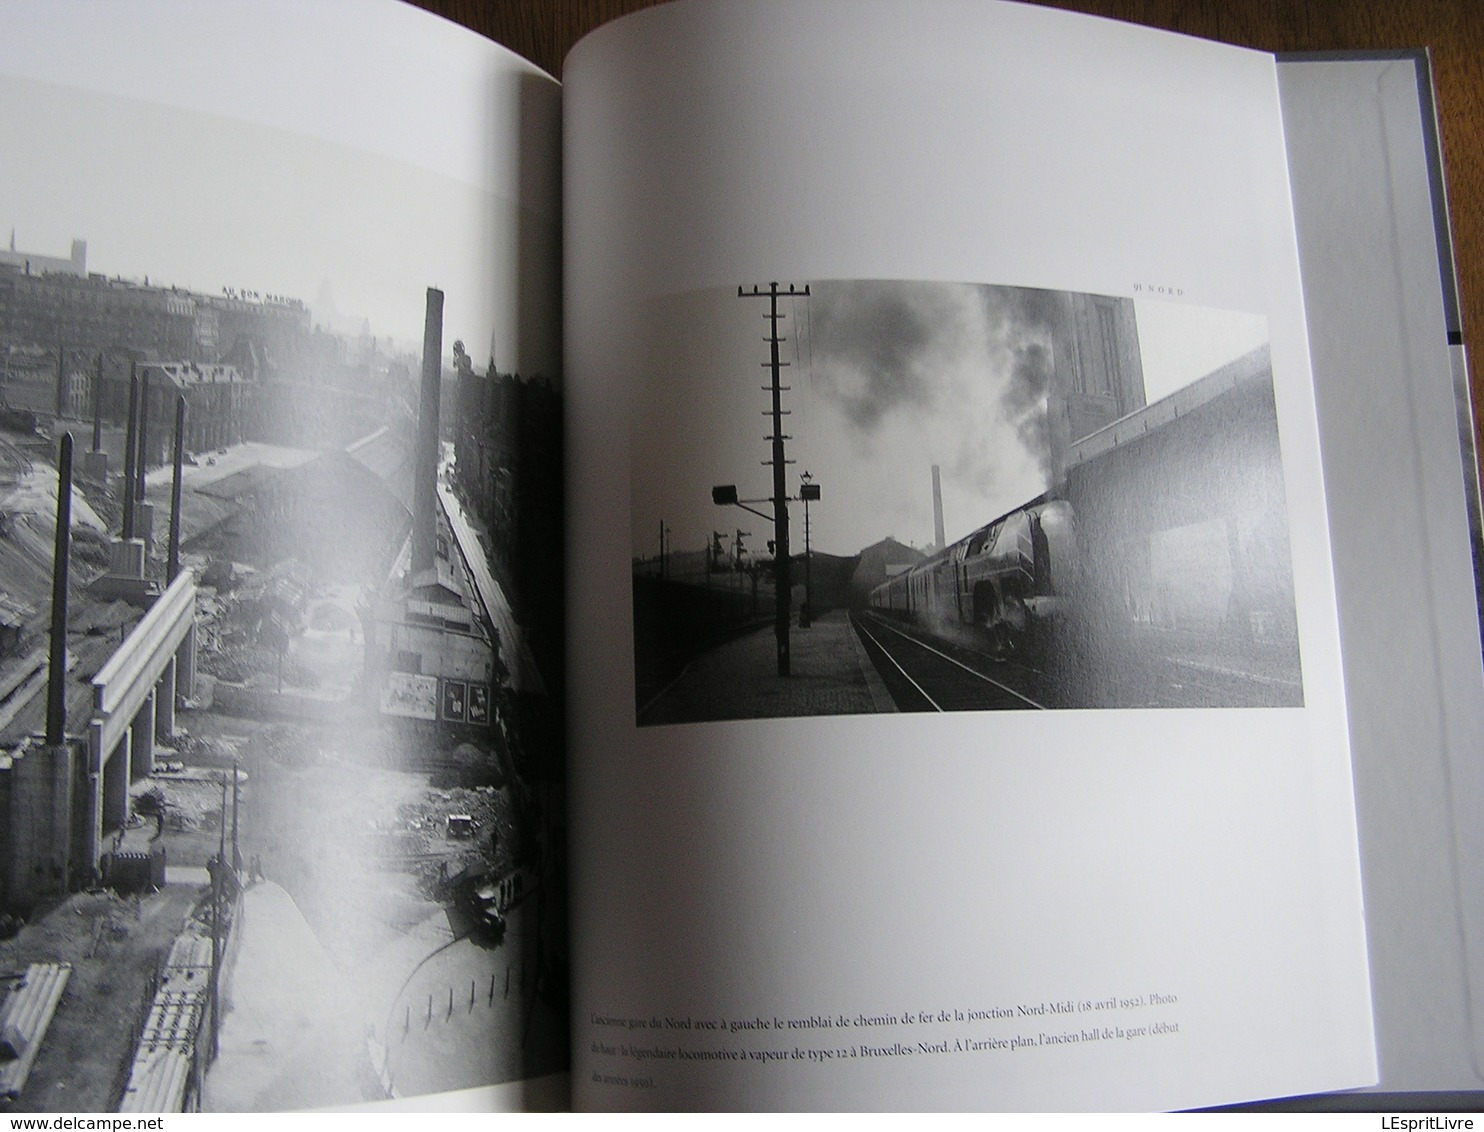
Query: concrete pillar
x=93 y=847
x=144 y=523
x=126 y=558
x=165 y=703
x=40 y=823
x=185 y=659
x=95 y=466
x=62 y=777
x=114 y=813
x=142 y=741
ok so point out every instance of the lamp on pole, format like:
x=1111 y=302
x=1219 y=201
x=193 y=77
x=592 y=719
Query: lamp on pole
x=725 y=495
x=808 y=492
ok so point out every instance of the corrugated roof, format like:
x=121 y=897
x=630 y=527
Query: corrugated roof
x=248 y=481
x=389 y=457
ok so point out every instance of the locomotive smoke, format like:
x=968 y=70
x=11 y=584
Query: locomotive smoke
x=957 y=372
x=870 y=343
x=1029 y=319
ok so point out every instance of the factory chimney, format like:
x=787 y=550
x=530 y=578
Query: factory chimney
x=938 y=537
x=425 y=465
x=95 y=462
x=141 y=446
x=56 y=673
x=172 y=567
x=129 y=452
x=98 y=407
x=61 y=390
x=144 y=510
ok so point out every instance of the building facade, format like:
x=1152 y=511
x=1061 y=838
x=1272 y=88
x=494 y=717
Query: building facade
x=1097 y=370
x=32 y=263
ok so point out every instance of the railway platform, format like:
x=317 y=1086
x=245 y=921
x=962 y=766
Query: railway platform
x=830 y=675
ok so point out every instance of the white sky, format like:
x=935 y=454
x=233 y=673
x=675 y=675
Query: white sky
x=1180 y=343
x=872 y=460
x=205 y=202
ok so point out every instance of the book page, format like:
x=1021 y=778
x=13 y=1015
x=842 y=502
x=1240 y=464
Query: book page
x=957 y=714
x=287 y=276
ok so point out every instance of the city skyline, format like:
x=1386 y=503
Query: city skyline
x=354 y=235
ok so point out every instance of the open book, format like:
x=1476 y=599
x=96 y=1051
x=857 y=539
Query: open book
x=840 y=559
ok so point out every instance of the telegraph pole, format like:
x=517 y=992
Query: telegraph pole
x=779 y=463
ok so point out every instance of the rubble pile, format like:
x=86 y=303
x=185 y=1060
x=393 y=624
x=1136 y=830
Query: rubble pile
x=492 y=843
x=197 y=750
x=184 y=804
x=245 y=626
x=286 y=743
x=426 y=820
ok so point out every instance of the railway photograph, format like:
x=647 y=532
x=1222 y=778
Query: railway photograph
x=860 y=496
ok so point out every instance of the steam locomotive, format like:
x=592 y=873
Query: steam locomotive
x=1011 y=579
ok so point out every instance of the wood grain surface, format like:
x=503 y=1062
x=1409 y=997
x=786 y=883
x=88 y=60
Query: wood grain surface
x=544 y=30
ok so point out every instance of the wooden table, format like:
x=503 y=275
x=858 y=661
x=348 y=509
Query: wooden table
x=544 y=30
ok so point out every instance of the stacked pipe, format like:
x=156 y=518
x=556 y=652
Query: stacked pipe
x=28 y=1012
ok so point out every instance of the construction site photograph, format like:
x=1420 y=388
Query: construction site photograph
x=282 y=806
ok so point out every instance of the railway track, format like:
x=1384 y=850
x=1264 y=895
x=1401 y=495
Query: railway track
x=929 y=673
x=933 y=675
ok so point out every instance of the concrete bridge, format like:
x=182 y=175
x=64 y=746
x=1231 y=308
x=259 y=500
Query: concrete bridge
x=134 y=697
x=60 y=803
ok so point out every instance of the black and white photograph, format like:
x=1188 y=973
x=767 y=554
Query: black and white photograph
x=857 y=496
x=282 y=800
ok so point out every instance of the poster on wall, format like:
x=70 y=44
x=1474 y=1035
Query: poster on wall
x=410 y=696
x=455 y=694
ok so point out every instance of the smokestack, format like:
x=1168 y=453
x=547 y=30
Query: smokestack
x=141 y=455
x=61 y=378
x=144 y=511
x=425 y=467
x=98 y=407
x=938 y=537
x=129 y=444
x=173 y=561
x=56 y=673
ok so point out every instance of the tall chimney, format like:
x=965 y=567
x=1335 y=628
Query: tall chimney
x=98 y=406
x=129 y=451
x=173 y=561
x=141 y=455
x=425 y=466
x=56 y=673
x=144 y=510
x=61 y=379
x=938 y=537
